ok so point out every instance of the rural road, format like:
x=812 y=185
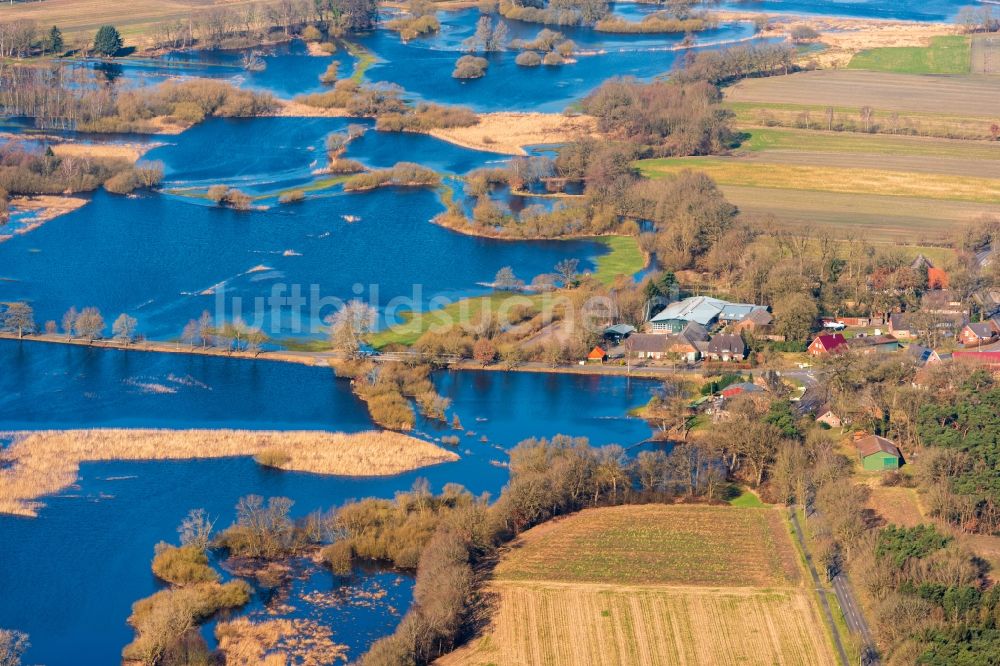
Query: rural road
x=819 y=589
x=853 y=614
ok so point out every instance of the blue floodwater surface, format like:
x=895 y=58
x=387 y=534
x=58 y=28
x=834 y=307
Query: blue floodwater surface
x=69 y=577
x=71 y=574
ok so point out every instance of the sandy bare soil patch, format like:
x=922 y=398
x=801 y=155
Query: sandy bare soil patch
x=41 y=463
x=509 y=132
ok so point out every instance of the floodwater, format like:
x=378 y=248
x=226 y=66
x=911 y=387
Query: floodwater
x=71 y=574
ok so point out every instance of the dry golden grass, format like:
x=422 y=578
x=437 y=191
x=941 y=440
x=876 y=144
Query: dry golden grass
x=48 y=207
x=509 y=132
x=41 y=463
x=81 y=18
x=293 y=109
x=652 y=585
x=127 y=151
x=554 y=624
x=277 y=643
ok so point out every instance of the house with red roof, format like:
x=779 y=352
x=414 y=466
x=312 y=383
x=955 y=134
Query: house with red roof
x=827 y=343
x=597 y=355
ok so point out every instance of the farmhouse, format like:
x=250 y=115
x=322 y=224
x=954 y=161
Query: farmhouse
x=873 y=344
x=703 y=310
x=979 y=333
x=648 y=345
x=726 y=348
x=758 y=323
x=878 y=453
x=827 y=416
x=923 y=355
x=942 y=301
x=827 y=343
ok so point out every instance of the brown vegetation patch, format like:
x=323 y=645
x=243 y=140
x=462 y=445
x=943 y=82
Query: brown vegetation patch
x=41 y=463
x=550 y=623
x=127 y=151
x=293 y=109
x=509 y=132
x=48 y=206
x=278 y=642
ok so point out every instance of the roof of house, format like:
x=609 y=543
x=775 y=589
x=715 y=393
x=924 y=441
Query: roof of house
x=920 y=353
x=695 y=332
x=648 y=342
x=872 y=341
x=727 y=344
x=874 y=444
x=619 y=329
x=760 y=316
x=983 y=329
x=940 y=298
x=921 y=262
x=701 y=309
x=739 y=311
x=742 y=387
x=829 y=341
x=597 y=352
x=985 y=256
x=900 y=321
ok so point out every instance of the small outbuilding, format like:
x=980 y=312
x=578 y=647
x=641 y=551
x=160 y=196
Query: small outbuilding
x=597 y=355
x=878 y=454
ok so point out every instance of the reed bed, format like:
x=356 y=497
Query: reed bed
x=45 y=462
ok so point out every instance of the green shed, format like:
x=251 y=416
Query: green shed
x=878 y=454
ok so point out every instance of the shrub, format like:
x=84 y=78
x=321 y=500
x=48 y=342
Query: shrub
x=122 y=182
x=295 y=196
x=345 y=166
x=339 y=556
x=272 y=458
x=470 y=67
x=164 y=622
x=406 y=174
x=217 y=193
x=803 y=33
x=184 y=565
x=553 y=58
x=528 y=59
x=329 y=77
x=328 y=47
x=311 y=34
x=239 y=200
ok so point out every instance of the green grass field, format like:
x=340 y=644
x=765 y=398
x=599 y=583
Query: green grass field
x=655 y=544
x=624 y=257
x=950 y=54
x=763 y=139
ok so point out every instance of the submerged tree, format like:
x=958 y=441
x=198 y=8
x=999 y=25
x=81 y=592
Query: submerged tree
x=18 y=318
x=124 y=328
x=350 y=327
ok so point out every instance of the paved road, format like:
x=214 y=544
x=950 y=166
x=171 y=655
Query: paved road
x=853 y=613
x=819 y=589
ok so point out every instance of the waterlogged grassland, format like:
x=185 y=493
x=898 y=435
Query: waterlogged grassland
x=844 y=180
x=951 y=54
x=624 y=258
x=655 y=544
x=653 y=585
